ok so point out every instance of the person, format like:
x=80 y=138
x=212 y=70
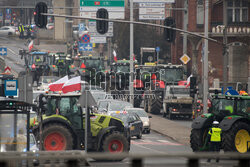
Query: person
x=29 y=31
x=215 y=138
x=75 y=47
x=21 y=31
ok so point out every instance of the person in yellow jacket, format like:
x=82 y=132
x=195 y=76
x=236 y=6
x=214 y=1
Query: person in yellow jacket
x=215 y=138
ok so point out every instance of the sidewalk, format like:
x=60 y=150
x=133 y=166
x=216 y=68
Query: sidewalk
x=171 y=129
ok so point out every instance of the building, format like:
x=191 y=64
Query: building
x=237 y=18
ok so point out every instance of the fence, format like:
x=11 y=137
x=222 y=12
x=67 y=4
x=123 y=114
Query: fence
x=79 y=158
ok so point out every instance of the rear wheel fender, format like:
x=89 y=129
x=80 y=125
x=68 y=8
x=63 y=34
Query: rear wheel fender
x=201 y=122
x=226 y=123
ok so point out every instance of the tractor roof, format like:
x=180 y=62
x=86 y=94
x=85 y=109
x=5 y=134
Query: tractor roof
x=243 y=97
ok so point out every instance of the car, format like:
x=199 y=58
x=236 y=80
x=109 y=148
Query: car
x=7 y=30
x=131 y=120
x=109 y=105
x=143 y=116
x=100 y=95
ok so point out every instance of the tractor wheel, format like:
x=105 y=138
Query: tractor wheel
x=197 y=139
x=56 y=137
x=115 y=143
x=156 y=106
x=236 y=138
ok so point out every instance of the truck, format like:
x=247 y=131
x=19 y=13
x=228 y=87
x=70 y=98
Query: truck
x=233 y=114
x=163 y=75
x=63 y=126
x=177 y=101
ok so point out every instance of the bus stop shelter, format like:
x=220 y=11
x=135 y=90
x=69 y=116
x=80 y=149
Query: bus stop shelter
x=14 y=125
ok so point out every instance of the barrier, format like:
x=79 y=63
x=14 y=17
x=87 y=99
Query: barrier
x=79 y=158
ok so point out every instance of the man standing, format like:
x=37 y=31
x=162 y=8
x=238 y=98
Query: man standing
x=215 y=139
x=21 y=31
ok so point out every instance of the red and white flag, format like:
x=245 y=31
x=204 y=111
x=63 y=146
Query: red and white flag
x=71 y=85
x=188 y=81
x=57 y=86
x=30 y=45
x=115 y=57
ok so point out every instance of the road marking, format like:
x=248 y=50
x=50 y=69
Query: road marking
x=158 y=142
x=149 y=148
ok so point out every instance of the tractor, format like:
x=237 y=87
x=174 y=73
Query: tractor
x=233 y=114
x=119 y=77
x=164 y=74
x=63 y=126
x=91 y=69
x=36 y=63
x=142 y=81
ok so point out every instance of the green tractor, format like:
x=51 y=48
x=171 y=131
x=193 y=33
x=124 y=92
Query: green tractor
x=233 y=113
x=63 y=127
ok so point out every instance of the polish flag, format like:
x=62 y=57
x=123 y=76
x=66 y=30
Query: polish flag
x=57 y=86
x=71 y=85
x=115 y=58
x=30 y=45
x=188 y=81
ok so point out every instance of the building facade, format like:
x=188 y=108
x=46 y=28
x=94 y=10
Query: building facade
x=237 y=17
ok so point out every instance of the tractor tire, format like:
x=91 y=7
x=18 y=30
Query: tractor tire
x=197 y=139
x=235 y=139
x=56 y=137
x=115 y=143
x=156 y=106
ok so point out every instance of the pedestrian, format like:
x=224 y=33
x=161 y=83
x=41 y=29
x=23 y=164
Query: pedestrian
x=21 y=31
x=75 y=47
x=215 y=139
x=29 y=31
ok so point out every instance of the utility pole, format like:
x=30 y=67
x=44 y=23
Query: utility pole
x=131 y=90
x=185 y=22
x=225 y=56
x=205 y=73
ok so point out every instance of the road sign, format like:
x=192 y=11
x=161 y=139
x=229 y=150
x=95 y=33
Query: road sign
x=7 y=70
x=163 y=1
x=85 y=38
x=115 y=8
x=97 y=39
x=81 y=27
x=85 y=46
x=151 y=11
x=10 y=87
x=157 y=49
x=3 y=51
x=185 y=59
x=94 y=33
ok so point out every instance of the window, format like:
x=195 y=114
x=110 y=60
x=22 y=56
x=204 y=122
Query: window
x=200 y=12
x=237 y=11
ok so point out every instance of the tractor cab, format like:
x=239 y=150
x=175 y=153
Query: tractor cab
x=169 y=73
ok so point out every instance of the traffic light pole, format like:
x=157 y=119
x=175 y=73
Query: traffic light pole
x=205 y=73
x=131 y=53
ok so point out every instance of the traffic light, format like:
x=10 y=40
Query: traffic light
x=169 y=34
x=193 y=89
x=40 y=20
x=102 y=25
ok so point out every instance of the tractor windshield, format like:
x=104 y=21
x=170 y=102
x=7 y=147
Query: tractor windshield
x=171 y=74
x=222 y=104
x=243 y=107
x=37 y=59
x=93 y=63
x=122 y=68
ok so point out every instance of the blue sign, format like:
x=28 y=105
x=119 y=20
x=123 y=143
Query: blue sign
x=81 y=27
x=85 y=47
x=10 y=87
x=8 y=11
x=3 y=51
x=157 y=49
x=231 y=91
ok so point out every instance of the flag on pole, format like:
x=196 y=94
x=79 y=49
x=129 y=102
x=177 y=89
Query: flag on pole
x=115 y=58
x=30 y=45
x=57 y=86
x=188 y=81
x=72 y=84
